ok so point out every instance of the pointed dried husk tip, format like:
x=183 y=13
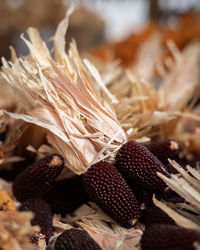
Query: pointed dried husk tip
x=59 y=94
x=187 y=184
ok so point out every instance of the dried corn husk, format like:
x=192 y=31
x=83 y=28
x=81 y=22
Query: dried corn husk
x=148 y=55
x=14 y=230
x=182 y=80
x=60 y=96
x=145 y=110
x=102 y=228
x=187 y=185
x=8 y=126
x=13 y=135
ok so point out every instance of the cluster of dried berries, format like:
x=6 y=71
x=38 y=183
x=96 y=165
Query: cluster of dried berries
x=104 y=185
x=37 y=183
x=73 y=239
x=169 y=237
x=42 y=215
x=85 y=129
x=37 y=179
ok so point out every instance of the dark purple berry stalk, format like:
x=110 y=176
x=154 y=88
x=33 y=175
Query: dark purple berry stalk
x=37 y=179
x=164 y=149
x=42 y=214
x=169 y=237
x=154 y=215
x=138 y=164
x=106 y=187
x=75 y=239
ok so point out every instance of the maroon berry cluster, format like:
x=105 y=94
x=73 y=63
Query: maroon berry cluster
x=42 y=214
x=164 y=149
x=137 y=163
x=37 y=179
x=169 y=237
x=105 y=186
x=74 y=239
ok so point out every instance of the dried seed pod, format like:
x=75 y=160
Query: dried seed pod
x=105 y=186
x=137 y=163
x=74 y=239
x=164 y=149
x=168 y=237
x=6 y=202
x=42 y=214
x=37 y=179
x=154 y=215
x=66 y=195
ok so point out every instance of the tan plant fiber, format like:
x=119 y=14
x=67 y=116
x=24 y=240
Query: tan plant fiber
x=59 y=94
x=187 y=184
x=106 y=232
x=14 y=230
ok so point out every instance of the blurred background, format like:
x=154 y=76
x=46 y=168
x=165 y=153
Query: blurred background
x=119 y=25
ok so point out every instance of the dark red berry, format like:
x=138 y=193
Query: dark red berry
x=106 y=187
x=42 y=214
x=164 y=149
x=154 y=215
x=37 y=179
x=76 y=239
x=66 y=195
x=137 y=163
x=168 y=237
x=36 y=237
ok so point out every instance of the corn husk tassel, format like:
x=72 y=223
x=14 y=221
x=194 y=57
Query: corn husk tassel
x=186 y=184
x=59 y=95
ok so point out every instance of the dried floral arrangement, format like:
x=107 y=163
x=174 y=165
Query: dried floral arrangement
x=100 y=178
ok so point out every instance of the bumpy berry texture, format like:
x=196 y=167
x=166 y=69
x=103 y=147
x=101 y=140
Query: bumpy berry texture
x=42 y=214
x=75 y=239
x=154 y=215
x=37 y=179
x=164 y=149
x=106 y=187
x=137 y=163
x=36 y=237
x=168 y=237
x=66 y=195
